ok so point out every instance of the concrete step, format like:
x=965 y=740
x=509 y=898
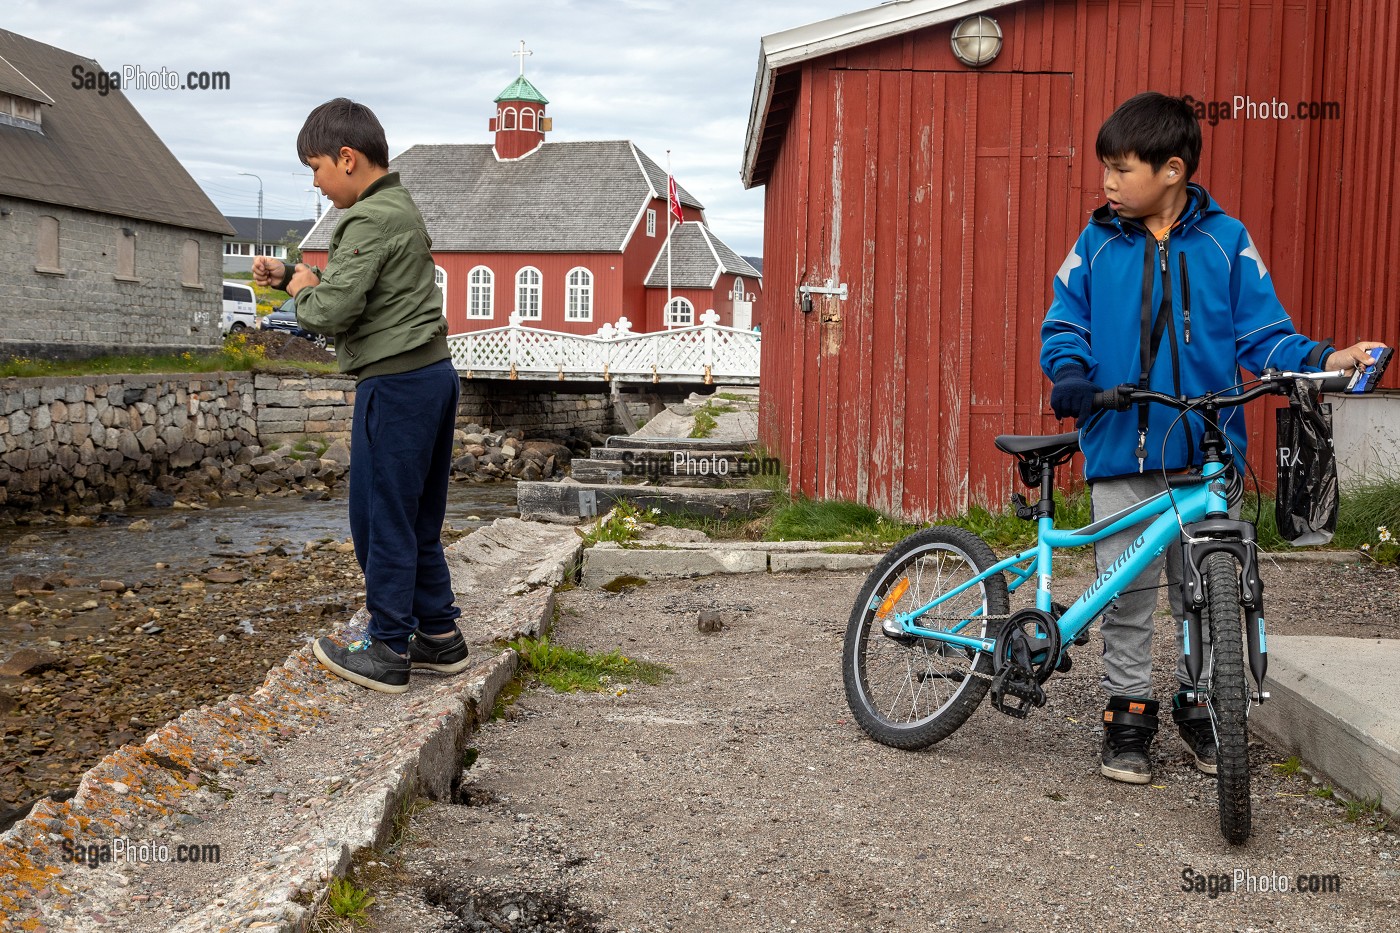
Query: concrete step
x=606 y=562
x=672 y=468
x=1335 y=703
x=568 y=502
x=694 y=444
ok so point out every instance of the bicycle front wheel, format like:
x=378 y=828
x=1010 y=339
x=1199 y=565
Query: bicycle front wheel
x=1229 y=697
x=909 y=692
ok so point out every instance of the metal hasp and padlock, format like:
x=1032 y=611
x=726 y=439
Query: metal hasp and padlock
x=807 y=291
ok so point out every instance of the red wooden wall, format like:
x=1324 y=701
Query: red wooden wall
x=946 y=198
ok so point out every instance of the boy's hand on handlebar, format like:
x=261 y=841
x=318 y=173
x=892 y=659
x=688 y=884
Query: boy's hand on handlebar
x=1073 y=393
x=268 y=271
x=1352 y=357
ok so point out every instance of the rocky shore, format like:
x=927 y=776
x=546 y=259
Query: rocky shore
x=114 y=659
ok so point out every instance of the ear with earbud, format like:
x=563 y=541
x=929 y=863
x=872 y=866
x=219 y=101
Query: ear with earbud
x=1171 y=174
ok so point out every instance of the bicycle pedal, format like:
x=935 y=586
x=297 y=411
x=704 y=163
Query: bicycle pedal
x=1018 y=685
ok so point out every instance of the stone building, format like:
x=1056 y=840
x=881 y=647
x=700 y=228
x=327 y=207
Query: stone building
x=106 y=243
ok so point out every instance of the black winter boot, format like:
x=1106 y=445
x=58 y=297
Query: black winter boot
x=1197 y=731
x=1129 y=723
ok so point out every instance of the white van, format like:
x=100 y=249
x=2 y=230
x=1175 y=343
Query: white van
x=240 y=308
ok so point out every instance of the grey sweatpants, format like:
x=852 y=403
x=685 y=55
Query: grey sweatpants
x=1127 y=625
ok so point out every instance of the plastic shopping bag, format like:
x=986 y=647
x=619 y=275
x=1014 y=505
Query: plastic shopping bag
x=1307 y=494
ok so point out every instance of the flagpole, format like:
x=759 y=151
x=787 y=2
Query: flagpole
x=666 y=316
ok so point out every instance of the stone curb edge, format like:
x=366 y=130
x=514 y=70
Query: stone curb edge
x=141 y=785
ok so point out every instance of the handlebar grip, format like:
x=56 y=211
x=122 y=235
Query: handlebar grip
x=1334 y=384
x=1115 y=399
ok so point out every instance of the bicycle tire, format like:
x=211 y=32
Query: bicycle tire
x=871 y=660
x=1229 y=697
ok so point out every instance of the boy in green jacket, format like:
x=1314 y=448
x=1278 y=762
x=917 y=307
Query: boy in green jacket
x=378 y=299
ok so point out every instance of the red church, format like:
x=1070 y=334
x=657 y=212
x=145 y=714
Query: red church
x=569 y=235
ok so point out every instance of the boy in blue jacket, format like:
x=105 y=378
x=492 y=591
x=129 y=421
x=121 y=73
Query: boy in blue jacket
x=1162 y=285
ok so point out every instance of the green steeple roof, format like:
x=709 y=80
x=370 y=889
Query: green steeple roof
x=521 y=89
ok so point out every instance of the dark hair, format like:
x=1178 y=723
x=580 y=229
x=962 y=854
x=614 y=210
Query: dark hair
x=1154 y=127
x=342 y=122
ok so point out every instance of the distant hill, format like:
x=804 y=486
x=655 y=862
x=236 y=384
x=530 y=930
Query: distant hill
x=755 y=261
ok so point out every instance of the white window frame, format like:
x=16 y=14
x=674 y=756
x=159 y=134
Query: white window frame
x=527 y=112
x=651 y=221
x=737 y=293
x=508 y=118
x=481 y=294
x=675 y=320
x=440 y=280
x=529 y=296
x=578 y=295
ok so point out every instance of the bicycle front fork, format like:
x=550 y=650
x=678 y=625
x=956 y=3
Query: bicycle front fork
x=1236 y=538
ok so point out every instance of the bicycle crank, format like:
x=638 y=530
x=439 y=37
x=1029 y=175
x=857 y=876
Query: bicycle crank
x=1027 y=653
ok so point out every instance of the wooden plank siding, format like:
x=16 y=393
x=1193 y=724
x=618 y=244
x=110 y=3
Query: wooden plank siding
x=946 y=198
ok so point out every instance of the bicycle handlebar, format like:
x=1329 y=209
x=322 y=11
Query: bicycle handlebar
x=1121 y=398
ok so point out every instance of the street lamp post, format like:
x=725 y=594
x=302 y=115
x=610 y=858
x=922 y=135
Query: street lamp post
x=260 y=209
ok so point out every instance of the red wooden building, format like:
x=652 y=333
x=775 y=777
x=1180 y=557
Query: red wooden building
x=571 y=235
x=944 y=196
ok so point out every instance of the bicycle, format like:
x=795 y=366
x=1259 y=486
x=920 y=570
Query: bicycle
x=931 y=632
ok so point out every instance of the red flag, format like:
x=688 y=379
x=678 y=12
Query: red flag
x=675 y=198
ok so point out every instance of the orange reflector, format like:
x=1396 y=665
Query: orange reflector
x=892 y=597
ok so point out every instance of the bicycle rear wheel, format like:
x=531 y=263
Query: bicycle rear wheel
x=909 y=692
x=1229 y=697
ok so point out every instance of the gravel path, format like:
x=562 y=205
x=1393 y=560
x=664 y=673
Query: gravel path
x=740 y=796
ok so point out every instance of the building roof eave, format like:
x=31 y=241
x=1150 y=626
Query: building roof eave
x=784 y=50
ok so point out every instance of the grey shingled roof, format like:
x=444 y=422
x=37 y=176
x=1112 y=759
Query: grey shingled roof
x=94 y=152
x=565 y=197
x=13 y=81
x=274 y=231
x=699 y=256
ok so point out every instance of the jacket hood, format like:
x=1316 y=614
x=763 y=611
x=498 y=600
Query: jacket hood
x=1199 y=204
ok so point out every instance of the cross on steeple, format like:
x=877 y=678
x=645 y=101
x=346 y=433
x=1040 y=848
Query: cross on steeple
x=521 y=55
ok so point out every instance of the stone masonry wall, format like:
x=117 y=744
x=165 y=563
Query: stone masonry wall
x=95 y=438
x=87 y=310
x=291 y=407
x=538 y=409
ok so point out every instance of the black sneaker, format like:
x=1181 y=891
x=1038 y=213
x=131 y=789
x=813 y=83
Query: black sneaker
x=445 y=655
x=1197 y=731
x=1129 y=723
x=367 y=662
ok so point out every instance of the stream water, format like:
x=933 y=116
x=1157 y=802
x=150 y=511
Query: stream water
x=186 y=538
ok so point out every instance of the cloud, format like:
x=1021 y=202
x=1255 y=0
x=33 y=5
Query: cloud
x=663 y=73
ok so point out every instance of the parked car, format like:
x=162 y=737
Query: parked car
x=285 y=318
x=240 y=308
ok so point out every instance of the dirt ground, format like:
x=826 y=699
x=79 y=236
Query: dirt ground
x=740 y=796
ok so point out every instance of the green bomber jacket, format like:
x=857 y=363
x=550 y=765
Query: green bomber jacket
x=377 y=297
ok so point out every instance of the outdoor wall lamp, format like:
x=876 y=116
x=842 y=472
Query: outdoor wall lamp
x=976 y=41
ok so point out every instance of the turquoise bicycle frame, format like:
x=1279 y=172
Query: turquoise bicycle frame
x=1172 y=509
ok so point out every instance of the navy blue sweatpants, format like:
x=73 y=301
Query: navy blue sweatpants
x=400 y=460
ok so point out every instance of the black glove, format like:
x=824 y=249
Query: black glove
x=1073 y=393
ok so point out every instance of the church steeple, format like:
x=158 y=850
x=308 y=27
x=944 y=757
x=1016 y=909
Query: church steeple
x=519 y=123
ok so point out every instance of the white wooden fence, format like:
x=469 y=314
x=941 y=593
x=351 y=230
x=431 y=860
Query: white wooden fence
x=707 y=353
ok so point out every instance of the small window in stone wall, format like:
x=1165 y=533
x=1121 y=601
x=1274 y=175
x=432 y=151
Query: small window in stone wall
x=189 y=265
x=46 y=254
x=126 y=253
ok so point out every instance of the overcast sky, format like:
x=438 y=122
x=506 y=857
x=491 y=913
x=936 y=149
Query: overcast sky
x=666 y=74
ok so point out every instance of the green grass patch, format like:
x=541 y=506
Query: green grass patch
x=622 y=525
x=236 y=354
x=1324 y=792
x=1289 y=766
x=725 y=529
x=835 y=520
x=567 y=670
x=1005 y=531
x=705 y=418
x=347 y=901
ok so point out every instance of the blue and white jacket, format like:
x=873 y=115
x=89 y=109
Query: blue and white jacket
x=1224 y=315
